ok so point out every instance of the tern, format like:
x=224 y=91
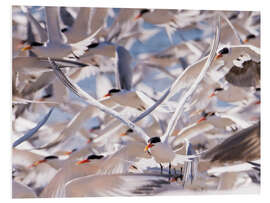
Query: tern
x=57 y=46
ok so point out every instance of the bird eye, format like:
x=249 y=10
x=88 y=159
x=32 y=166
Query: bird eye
x=129 y=131
x=93 y=156
x=250 y=36
x=114 y=91
x=64 y=29
x=36 y=44
x=154 y=140
x=225 y=50
x=218 y=89
x=50 y=157
x=143 y=11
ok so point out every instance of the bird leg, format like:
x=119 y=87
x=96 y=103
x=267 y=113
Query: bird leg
x=161 y=168
x=170 y=166
x=174 y=172
x=181 y=176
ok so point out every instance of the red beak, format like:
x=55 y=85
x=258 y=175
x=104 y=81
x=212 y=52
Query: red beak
x=201 y=119
x=83 y=162
x=138 y=16
x=213 y=94
x=36 y=163
x=89 y=140
x=26 y=48
x=148 y=146
x=107 y=95
x=218 y=56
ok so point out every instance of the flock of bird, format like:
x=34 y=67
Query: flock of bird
x=102 y=109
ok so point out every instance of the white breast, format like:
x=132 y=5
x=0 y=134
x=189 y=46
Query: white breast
x=162 y=153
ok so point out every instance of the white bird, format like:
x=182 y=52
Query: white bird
x=20 y=190
x=80 y=28
x=57 y=46
x=117 y=184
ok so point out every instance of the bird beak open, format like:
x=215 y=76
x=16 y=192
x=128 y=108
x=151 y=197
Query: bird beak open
x=218 y=56
x=36 y=163
x=26 y=48
x=83 y=162
x=213 y=94
x=148 y=146
x=107 y=95
x=201 y=119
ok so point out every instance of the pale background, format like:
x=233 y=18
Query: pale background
x=5 y=91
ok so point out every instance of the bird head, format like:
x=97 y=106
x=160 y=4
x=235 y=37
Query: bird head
x=142 y=12
x=129 y=131
x=111 y=92
x=222 y=52
x=31 y=45
x=89 y=158
x=205 y=115
x=151 y=143
x=249 y=37
x=46 y=159
x=218 y=89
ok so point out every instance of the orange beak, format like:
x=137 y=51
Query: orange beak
x=107 y=95
x=213 y=94
x=218 y=56
x=89 y=140
x=245 y=41
x=258 y=102
x=41 y=99
x=26 y=48
x=138 y=16
x=83 y=162
x=123 y=134
x=148 y=146
x=201 y=119
x=36 y=163
x=68 y=153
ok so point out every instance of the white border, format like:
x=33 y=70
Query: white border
x=5 y=40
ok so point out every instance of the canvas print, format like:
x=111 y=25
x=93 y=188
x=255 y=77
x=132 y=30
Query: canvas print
x=134 y=102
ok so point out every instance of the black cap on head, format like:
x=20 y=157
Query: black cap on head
x=206 y=114
x=64 y=29
x=93 y=45
x=93 y=156
x=143 y=11
x=36 y=44
x=250 y=36
x=50 y=157
x=129 y=131
x=154 y=140
x=114 y=91
x=218 y=89
x=225 y=50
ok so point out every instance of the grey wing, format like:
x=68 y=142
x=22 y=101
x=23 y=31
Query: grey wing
x=31 y=132
x=247 y=76
x=116 y=184
x=123 y=73
x=66 y=17
x=242 y=146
